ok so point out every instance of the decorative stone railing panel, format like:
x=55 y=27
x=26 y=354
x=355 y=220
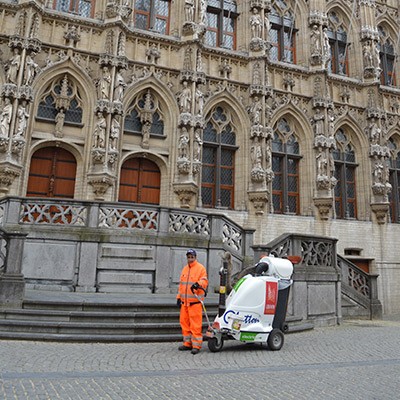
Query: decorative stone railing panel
x=356 y=279
x=128 y=218
x=316 y=252
x=189 y=223
x=52 y=213
x=232 y=237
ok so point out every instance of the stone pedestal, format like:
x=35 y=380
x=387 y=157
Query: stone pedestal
x=12 y=290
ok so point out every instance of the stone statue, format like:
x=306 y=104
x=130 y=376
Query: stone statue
x=318 y=123
x=183 y=145
x=322 y=162
x=255 y=111
x=60 y=117
x=256 y=155
x=119 y=87
x=22 y=119
x=5 y=118
x=197 y=145
x=256 y=24
x=189 y=10
x=104 y=84
x=267 y=26
x=100 y=131
x=374 y=132
x=203 y=11
x=315 y=41
x=13 y=67
x=30 y=69
x=367 y=55
x=185 y=98
x=326 y=48
x=114 y=133
x=376 y=60
x=199 y=101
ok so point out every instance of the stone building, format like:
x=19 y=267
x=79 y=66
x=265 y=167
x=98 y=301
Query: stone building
x=282 y=115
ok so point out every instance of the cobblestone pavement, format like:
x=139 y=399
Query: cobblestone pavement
x=356 y=360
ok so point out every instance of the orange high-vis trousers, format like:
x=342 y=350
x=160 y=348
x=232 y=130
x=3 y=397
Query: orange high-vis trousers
x=191 y=320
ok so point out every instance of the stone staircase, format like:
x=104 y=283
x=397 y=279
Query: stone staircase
x=99 y=317
x=96 y=318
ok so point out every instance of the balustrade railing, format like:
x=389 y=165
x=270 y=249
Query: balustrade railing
x=146 y=218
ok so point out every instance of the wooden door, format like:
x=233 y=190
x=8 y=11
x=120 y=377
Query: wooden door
x=52 y=173
x=140 y=181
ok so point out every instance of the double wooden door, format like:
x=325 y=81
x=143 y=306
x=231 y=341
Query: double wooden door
x=52 y=173
x=140 y=181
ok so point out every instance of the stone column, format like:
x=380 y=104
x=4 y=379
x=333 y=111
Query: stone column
x=12 y=283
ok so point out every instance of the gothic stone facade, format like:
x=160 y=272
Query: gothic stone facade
x=261 y=110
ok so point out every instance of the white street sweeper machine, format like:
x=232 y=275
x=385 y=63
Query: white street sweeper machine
x=255 y=310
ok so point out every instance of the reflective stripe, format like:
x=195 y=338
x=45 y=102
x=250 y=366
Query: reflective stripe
x=187 y=282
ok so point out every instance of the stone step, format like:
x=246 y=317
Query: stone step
x=93 y=317
x=88 y=316
x=177 y=337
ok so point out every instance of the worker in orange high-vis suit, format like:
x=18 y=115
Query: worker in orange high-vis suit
x=193 y=276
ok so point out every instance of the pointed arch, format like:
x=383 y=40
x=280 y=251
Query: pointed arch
x=163 y=106
x=228 y=100
x=352 y=170
x=388 y=49
x=77 y=95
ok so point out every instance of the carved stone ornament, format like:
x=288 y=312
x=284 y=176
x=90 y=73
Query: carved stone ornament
x=4 y=144
x=8 y=173
x=98 y=156
x=381 y=212
x=257 y=175
x=17 y=146
x=259 y=200
x=9 y=90
x=324 y=206
x=183 y=166
x=186 y=193
x=100 y=184
x=257 y=44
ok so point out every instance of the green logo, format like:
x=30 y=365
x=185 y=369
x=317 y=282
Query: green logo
x=238 y=283
x=248 y=336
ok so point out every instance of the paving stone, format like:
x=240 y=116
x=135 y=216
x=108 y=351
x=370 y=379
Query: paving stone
x=358 y=360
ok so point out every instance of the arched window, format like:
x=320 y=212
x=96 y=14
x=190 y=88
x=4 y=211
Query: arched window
x=394 y=180
x=144 y=108
x=221 y=24
x=282 y=33
x=345 y=173
x=62 y=94
x=337 y=35
x=83 y=8
x=285 y=165
x=387 y=57
x=218 y=170
x=152 y=15
x=52 y=173
x=140 y=181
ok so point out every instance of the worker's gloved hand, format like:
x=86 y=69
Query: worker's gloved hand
x=178 y=302
x=195 y=286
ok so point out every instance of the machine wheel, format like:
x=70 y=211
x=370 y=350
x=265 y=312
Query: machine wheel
x=275 y=340
x=214 y=346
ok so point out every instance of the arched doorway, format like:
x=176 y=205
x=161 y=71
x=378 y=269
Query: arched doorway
x=140 y=181
x=52 y=173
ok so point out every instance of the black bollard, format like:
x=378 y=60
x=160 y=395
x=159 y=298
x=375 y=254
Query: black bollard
x=222 y=287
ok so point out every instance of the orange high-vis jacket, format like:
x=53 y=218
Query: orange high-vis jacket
x=195 y=272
